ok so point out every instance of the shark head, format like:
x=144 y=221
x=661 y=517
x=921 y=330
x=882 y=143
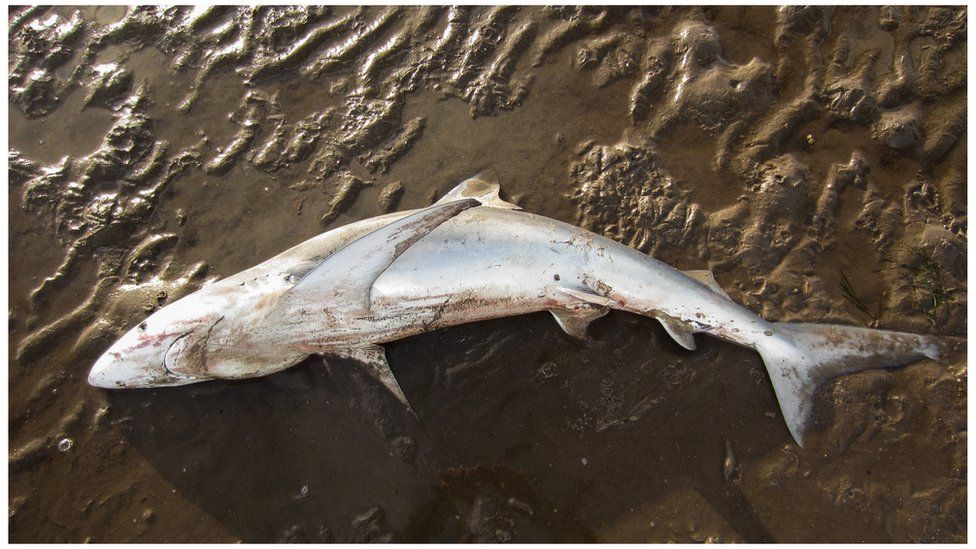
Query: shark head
x=168 y=348
x=182 y=342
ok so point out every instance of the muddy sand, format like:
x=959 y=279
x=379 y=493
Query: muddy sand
x=813 y=158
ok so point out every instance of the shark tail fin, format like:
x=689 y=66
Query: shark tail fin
x=799 y=357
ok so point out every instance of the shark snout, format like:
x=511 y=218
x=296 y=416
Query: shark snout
x=113 y=371
x=136 y=364
x=107 y=373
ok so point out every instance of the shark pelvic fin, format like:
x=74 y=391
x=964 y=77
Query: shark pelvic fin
x=588 y=297
x=708 y=279
x=575 y=322
x=373 y=360
x=346 y=277
x=482 y=187
x=679 y=331
x=578 y=309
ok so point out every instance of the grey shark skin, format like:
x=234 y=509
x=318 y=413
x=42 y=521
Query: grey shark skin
x=469 y=257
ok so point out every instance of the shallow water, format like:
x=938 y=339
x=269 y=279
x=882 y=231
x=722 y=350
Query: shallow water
x=813 y=159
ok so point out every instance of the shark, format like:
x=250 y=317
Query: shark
x=470 y=256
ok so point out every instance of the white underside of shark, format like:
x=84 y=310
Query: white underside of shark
x=469 y=257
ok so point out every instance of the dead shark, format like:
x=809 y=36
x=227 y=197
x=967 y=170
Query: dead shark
x=471 y=256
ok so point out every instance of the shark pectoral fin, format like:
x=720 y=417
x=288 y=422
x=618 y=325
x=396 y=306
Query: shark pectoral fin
x=708 y=279
x=343 y=281
x=575 y=322
x=679 y=331
x=481 y=187
x=373 y=359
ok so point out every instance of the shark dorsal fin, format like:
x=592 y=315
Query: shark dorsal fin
x=708 y=279
x=343 y=281
x=481 y=187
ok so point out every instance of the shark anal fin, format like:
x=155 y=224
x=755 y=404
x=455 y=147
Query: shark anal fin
x=708 y=279
x=344 y=280
x=373 y=360
x=481 y=187
x=575 y=322
x=679 y=331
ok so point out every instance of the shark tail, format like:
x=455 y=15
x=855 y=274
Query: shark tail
x=800 y=356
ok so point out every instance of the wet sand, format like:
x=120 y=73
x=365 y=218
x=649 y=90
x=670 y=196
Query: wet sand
x=813 y=158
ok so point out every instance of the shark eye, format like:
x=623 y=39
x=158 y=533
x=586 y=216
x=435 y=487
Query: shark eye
x=142 y=326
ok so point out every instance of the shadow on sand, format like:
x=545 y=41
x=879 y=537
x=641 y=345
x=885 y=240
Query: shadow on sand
x=523 y=435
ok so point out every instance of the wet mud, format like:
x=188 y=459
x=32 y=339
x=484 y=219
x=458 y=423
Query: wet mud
x=813 y=158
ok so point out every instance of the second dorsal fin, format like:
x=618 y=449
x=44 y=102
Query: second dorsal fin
x=708 y=279
x=480 y=187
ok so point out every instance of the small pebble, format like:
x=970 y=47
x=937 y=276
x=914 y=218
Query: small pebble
x=548 y=370
x=15 y=506
x=521 y=506
x=406 y=447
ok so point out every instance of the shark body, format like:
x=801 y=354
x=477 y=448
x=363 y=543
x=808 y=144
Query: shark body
x=469 y=257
